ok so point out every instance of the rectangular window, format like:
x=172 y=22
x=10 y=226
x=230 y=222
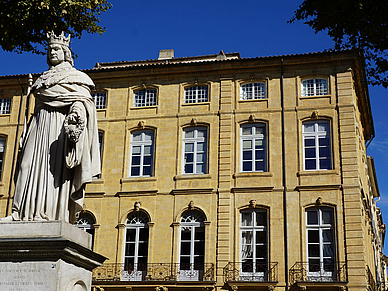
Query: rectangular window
x=196 y=94
x=320 y=239
x=253 y=148
x=144 y=98
x=253 y=245
x=251 y=91
x=100 y=143
x=5 y=105
x=317 y=145
x=314 y=87
x=99 y=99
x=194 y=150
x=2 y=150
x=142 y=151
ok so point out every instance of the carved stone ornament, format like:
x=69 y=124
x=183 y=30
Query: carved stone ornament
x=161 y=288
x=191 y=205
x=98 y=288
x=302 y=288
x=74 y=125
x=271 y=287
x=318 y=201
x=144 y=86
x=252 y=118
x=314 y=114
x=137 y=205
x=141 y=124
x=194 y=121
x=252 y=203
x=234 y=287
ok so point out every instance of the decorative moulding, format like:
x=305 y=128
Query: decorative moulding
x=191 y=191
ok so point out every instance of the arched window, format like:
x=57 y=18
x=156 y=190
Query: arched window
x=192 y=246
x=86 y=222
x=253 y=147
x=317 y=145
x=142 y=153
x=136 y=246
x=253 y=244
x=320 y=234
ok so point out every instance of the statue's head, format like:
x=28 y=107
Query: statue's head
x=58 y=50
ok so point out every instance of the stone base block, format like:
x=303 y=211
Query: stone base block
x=46 y=256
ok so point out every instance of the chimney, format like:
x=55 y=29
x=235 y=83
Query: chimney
x=166 y=54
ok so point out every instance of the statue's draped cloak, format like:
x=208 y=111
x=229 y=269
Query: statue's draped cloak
x=53 y=170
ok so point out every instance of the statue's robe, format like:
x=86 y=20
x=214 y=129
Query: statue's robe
x=52 y=169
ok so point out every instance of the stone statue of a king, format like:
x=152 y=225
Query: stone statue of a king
x=59 y=150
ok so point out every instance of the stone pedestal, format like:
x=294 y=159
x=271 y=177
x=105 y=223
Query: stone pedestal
x=46 y=256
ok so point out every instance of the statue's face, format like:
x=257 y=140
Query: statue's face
x=56 y=54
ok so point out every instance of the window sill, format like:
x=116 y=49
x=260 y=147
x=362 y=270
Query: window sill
x=101 y=109
x=315 y=96
x=252 y=100
x=192 y=177
x=317 y=172
x=196 y=103
x=137 y=179
x=144 y=107
x=251 y=174
x=5 y=114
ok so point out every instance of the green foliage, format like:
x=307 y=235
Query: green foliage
x=24 y=23
x=358 y=24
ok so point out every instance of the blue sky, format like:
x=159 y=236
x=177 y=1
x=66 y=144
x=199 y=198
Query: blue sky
x=138 y=29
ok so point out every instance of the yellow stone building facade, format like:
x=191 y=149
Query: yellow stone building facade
x=228 y=173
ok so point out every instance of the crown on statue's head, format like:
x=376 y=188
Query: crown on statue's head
x=60 y=39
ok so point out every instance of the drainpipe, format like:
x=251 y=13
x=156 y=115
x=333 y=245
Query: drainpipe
x=284 y=180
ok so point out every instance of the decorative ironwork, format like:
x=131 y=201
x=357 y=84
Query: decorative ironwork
x=154 y=272
x=251 y=272
x=321 y=272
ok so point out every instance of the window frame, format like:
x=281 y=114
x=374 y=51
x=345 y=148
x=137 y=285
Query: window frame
x=2 y=155
x=194 y=270
x=254 y=228
x=253 y=138
x=317 y=136
x=137 y=271
x=315 y=89
x=101 y=136
x=252 y=97
x=320 y=227
x=136 y=104
x=95 y=96
x=87 y=225
x=143 y=143
x=195 y=141
x=196 y=99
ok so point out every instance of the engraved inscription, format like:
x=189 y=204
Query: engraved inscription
x=29 y=276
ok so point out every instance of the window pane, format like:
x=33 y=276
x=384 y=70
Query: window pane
x=259 y=154
x=143 y=235
x=135 y=160
x=261 y=251
x=324 y=152
x=328 y=250
x=189 y=133
x=189 y=147
x=247 y=131
x=309 y=153
x=247 y=144
x=328 y=265
x=328 y=235
x=201 y=133
x=199 y=233
x=310 y=165
x=135 y=171
x=309 y=142
x=199 y=248
x=261 y=218
x=308 y=127
x=247 y=166
x=136 y=136
x=259 y=166
x=130 y=235
x=258 y=143
x=313 y=236
x=312 y=217
x=313 y=250
x=136 y=150
x=323 y=126
x=143 y=249
x=247 y=155
x=185 y=248
x=189 y=158
x=246 y=219
x=261 y=237
x=247 y=238
x=314 y=265
x=147 y=150
x=130 y=249
x=147 y=160
x=200 y=158
x=186 y=234
x=327 y=216
x=189 y=168
x=184 y=263
x=201 y=147
x=201 y=168
x=325 y=164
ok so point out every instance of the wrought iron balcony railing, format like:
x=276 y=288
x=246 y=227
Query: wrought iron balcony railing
x=318 y=272
x=251 y=272
x=154 y=272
